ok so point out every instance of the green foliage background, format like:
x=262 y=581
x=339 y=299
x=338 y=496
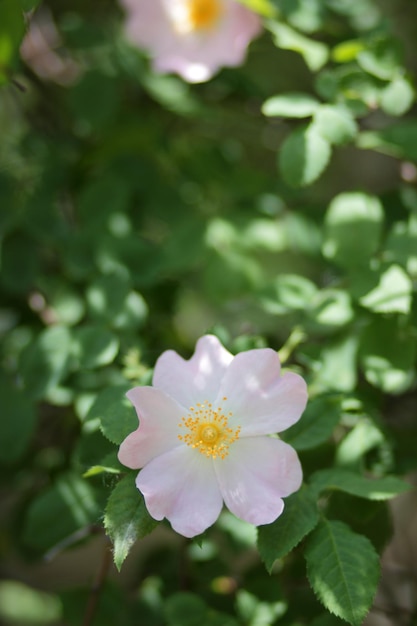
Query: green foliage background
x=275 y=205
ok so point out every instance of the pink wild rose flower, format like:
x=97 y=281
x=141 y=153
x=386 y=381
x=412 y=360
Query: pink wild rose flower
x=204 y=436
x=193 y=38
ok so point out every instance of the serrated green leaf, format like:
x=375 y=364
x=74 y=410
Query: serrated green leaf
x=314 y=53
x=114 y=411
x=370 y=488
x=393 y=294
x=353 y=228
x=299 y=518
x=290 y=105
x=336 y=124
x=343 y=570
x=126 y=519
x=304 y=156
x=316 y=425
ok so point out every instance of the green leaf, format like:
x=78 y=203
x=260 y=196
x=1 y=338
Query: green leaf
x=299 y=518
x=11 y=33
x=46 y=361
x=370 y=488
x=382 y=58
x=290 y=105
x=343 y=570
x=393 y=294
x=398 y=140
x=111 y=300
x=288 y=292
x=115 y=413
x=304 y=156
x=347 y=51
x=255 y=612
x=59 y=511
x=335 y=123
x=314 y=53
x=17 y=424
x=263 y=7
x=397 y=97
x=387 y=354
x=126 y=519
x=94 y=346
x=330 y=308
x=316 y=424
x=353 y=228
x=363 y=437
x=336 y=368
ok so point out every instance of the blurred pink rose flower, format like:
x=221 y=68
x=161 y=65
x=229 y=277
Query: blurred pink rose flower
x=203 y=438
x=193 y=38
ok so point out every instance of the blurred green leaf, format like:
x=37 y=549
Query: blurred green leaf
x=255 y=612
x=290 y=105
x=126 y=519
x=393 y=293
x=363 y=437
x=330 y=309
x=388 y=364
x=299 y=517
x=94 y=346
x=46 y=361
x=343 y=480
x=288 y=292
x=347 y=51
x=21 y=605
x=304 y=156
x=343 y=570
x=382 y=58
x=263 y=7
x=398 y=140
x=335 y=123
x=353 y=227
x=17 y=424
x=188 y=609
x=11 y=33
x=314 y=53
x=59 y=511
x=397 y=97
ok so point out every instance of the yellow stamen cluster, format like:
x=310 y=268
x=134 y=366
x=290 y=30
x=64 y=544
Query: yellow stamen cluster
x=208 y=430
x=203 y=13
x=194 y=15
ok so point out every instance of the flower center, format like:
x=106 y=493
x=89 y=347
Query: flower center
x=194 y=15
x=208 y=430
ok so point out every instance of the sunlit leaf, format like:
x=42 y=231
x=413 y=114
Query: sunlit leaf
x=126 y=519
x=290 y=105
x=304 y=156
x=343 y=570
